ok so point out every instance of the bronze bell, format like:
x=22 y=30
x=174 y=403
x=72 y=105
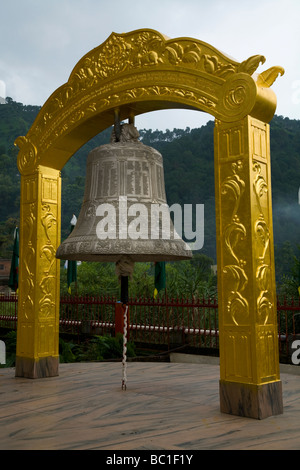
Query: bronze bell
x=124 y=216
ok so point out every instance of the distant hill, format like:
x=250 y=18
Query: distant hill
x=189 y=174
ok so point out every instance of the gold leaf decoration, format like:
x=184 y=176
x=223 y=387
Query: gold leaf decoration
x=250 y=65
x=268 y=77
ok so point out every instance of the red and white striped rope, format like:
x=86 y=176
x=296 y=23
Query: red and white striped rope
x=124 y=360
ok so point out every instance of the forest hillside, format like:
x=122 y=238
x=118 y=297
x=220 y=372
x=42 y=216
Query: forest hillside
x=189 y=176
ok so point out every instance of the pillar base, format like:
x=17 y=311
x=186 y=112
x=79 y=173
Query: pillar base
x=37 y=369
x=250 y=400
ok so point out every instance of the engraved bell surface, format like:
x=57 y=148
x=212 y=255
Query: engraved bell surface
x=124 y=211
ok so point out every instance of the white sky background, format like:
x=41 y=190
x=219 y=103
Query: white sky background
x=42 y=40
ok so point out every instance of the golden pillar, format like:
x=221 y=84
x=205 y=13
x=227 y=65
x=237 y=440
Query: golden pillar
x=249 y=363
x=38 y=305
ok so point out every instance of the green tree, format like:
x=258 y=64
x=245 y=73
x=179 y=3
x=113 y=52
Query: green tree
x=289 y=285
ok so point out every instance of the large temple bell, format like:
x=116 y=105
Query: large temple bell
x=121 y=219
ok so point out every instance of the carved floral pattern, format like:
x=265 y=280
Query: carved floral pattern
x=262 y=233
x=97 y=83
x=121 y=53
x=48 y=259
x=141 y=49
x=259 y=185
x=234 y=233
x=28 y=278
x=136 y=93
x=235 y=185
x=263 y=237
x=27 y=157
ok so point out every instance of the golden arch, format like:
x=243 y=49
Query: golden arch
x=131 y=74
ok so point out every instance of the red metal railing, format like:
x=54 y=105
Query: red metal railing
x=163 y=321
x=8 y=311
x=175 y=321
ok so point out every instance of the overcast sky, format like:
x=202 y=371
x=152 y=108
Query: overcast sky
x=42 y=40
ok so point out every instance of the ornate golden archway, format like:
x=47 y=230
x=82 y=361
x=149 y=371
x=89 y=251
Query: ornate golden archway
x=131 y=74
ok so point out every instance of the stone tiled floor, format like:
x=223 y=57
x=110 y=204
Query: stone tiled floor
x=167 y=406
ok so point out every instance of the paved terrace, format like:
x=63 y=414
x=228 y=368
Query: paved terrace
x=167 y=406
